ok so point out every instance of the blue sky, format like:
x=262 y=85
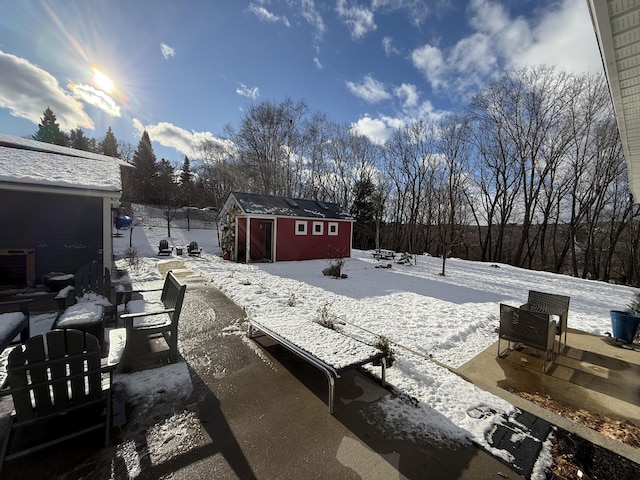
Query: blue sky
x=184 y=69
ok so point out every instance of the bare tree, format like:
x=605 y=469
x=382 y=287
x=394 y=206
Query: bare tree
x=265 y=140
x=451 y=182
x=411 y=161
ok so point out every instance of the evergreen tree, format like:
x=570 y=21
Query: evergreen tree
x=109 y=145
x=143 y=176
x=187 y=190
x=186 y=182
x=78 y=141
x=364 y=210
x=49 y=130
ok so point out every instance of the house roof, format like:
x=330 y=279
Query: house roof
x=617 y=27
x=27 y=164
x=289 y=207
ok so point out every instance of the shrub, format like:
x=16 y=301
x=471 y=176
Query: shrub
x=328 y=319
x=383 y=344
x=132 y=255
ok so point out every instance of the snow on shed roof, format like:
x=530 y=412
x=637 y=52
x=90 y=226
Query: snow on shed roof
x=289 y=207
x=27 y=162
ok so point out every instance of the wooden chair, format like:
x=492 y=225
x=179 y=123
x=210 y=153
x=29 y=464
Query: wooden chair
x=529 y=328
x=13 y=321
x=193 y=249
x=92 y=283
x=58 y=381
x=551 y=304
x=146 y=320
x=163 y=248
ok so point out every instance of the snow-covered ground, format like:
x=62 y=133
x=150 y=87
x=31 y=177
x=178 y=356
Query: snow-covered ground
x=426 y=316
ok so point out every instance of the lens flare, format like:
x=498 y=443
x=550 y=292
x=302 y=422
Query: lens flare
x=101 y=81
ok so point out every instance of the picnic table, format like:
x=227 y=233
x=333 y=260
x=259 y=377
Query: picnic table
x=382 y=254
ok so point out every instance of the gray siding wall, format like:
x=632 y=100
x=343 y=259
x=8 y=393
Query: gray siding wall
x=64 y=230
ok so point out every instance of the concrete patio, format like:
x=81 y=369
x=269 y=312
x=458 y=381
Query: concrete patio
x=591 y=373
x=262 y=412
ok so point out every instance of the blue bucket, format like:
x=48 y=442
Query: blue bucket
x=624 y=325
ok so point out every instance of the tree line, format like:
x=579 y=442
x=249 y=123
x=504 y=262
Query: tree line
x=531 y=174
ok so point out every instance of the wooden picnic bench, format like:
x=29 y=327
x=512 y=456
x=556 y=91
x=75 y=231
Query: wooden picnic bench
x=362 y=354
x=384 y=254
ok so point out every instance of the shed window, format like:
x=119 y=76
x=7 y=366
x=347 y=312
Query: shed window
x=333 y=228
x=318 y=228
x=301 y=227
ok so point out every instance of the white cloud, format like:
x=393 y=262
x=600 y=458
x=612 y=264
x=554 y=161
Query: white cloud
x=408 y=94
x=265 y=15
x=387 y=44
x=172 y=136
x=417 y=10
x=311 y=15
x=245 y=91
x=95 y=97
x=561 y=36
x=378 y=130
x=564 y=38
x=370 y=90
x=430 y=61
x=317 y=63
x=358 y=19
x=167 y=51
x=27 y=90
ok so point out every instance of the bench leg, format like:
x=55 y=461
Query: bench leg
x=332 y=387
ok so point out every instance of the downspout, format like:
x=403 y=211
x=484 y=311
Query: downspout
x=247 y=249
x=107 y=239
x=274 y=240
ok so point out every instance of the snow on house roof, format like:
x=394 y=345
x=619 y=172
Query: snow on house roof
x=289 y=207
x=27 y=162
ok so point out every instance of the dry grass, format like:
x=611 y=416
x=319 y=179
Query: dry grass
x=576 y=458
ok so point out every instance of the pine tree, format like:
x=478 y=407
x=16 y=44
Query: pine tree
x=186 y=183
x=363 y=209
x=109 y=145
x=78 y=141
x=145 y=173
x=49 y=130
x=186 y=190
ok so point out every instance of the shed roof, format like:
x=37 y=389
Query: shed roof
x=289 y=207
x=27 y=163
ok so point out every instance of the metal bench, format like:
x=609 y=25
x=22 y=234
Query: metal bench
x=362 y=354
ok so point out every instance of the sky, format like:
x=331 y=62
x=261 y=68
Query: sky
x=184 y=70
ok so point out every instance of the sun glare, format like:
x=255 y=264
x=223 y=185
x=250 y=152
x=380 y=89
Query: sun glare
x=103 y=82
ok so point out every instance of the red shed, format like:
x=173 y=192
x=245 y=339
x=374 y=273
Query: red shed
x=268 y=228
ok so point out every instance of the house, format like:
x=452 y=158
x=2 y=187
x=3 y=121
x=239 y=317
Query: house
x=617 y=29
x=56 y=210
x=267 y=228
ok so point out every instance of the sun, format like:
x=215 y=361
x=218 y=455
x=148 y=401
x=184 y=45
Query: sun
x=103 y=82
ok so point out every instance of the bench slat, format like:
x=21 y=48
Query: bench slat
x=331 y=371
